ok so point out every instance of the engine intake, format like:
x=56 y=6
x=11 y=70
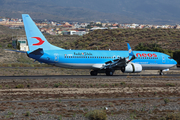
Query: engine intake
x=132 y=68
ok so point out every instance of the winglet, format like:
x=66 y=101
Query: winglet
x=130 y=50
x=130 y=53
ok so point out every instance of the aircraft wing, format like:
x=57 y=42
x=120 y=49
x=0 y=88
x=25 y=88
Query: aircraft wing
x=120 y=62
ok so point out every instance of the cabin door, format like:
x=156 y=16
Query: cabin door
x=163 y=59
x=56 y=57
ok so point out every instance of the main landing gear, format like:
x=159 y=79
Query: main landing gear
x=161 y=73
x=93 y=73
x=108 y=72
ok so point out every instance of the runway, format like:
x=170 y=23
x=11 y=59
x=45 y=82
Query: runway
x=85 y=76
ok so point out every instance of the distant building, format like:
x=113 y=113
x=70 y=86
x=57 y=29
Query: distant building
x=22 y=41
x=177 y=26
x=98 y=23
x=72 y=32
x=80 y=33
x=98 y=28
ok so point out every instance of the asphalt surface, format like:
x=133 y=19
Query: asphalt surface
x=81 y=76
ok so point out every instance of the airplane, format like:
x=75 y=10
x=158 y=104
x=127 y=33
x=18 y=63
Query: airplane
x=99 y=61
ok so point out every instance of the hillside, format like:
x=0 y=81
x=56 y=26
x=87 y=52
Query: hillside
x=107 y=39
x=129 y=11
x=6 y=31
x=116 y=39
x=167 y=40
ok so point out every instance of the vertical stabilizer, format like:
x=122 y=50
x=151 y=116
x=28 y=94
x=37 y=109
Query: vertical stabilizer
x=34 y=36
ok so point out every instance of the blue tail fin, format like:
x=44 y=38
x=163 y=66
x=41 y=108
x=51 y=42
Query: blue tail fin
x=34 y=36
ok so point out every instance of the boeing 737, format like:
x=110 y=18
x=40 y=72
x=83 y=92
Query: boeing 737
x=99 y=61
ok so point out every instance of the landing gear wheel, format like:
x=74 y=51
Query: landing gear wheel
x=161 y=73
x=109 y=73
x=93 y=73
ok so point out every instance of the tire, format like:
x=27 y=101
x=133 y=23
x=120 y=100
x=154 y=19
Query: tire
x=93 y=73
x=109 y=73
x=123 y=69
x=161 y=73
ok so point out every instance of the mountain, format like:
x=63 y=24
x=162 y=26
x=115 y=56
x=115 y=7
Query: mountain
x=122 y=11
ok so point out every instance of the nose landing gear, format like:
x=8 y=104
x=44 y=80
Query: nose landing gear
x=161 y=73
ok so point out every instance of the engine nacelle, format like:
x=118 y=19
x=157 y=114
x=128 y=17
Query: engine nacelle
x=132 y=68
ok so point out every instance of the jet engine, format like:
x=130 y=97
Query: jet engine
x=132 y=68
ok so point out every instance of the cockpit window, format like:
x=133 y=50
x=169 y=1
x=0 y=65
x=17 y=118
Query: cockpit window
x=169 y=57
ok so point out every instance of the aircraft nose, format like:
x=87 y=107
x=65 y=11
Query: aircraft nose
x=174 y=62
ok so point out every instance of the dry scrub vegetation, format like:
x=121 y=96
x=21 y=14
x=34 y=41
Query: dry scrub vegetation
x=131 y=97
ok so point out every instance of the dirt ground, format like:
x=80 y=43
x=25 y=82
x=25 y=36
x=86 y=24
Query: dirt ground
x=126 y=97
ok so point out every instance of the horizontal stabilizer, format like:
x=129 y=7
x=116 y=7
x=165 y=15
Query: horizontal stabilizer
x=39 y=51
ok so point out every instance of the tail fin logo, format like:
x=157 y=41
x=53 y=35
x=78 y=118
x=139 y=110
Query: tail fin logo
x=40 y=41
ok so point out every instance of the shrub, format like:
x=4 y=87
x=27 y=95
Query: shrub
x=122 y=83
x=60 y=84
x=170 y=84
x=172 y=116
x=27 y=113
x=28 y=85
x=56 y=85
x=20 y=86
x=116 y=84
x=106 y=85
x=166 y=100
x=96 y=115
